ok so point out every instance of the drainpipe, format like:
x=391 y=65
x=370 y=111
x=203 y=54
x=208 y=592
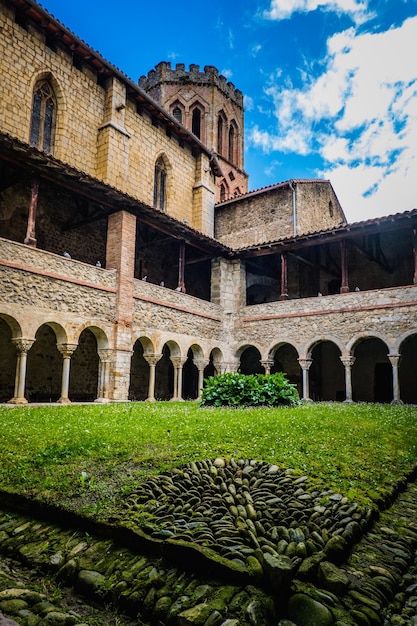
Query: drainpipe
x=294 y=207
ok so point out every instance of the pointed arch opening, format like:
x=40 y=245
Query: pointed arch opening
x=43 y=116
x=160 y=184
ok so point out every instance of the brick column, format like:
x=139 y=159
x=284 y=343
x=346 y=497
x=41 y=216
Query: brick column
x=22 y=346
x=120 y=255
x=348 y=362
x=152 y=361
x=67 y=350
x=394 y=360
x=305 y=366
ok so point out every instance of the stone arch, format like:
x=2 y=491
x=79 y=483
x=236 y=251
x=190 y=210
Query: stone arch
x=284 y=357
x=371 y=371
x=164 y=371
x=408 y=368
x=190 y=383
x=139 y=369
x=9 y=329
x=215 y=364
x=250 y=360
x=99 y=334
x=327 y=373
x=44 y=364
x=162 y=181
x=85 y=364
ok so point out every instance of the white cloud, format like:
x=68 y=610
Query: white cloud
x=255 y=49
x=360 y=116
x=227 y=73
x=283 y=9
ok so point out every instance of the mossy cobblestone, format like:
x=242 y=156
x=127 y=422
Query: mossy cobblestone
x=300 y=551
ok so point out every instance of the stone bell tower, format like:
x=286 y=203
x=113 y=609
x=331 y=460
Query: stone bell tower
x=210 y=107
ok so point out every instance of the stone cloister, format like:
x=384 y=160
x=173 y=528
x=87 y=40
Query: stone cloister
x=134 y=262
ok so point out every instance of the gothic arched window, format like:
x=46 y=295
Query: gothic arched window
x=177 y=113
x=42 y=126
x=196 y=122
x=232 y=143
x=220 y=135
x=159 y=189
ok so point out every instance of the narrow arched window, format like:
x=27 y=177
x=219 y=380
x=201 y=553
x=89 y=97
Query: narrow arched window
x=232 y=141
x=42 y=127
x=220 y=135
x=177 y=113
x=196 y=122
x=222 y=193
x=159 y=189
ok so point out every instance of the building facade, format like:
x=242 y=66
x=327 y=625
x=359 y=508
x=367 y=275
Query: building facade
x=134 y=262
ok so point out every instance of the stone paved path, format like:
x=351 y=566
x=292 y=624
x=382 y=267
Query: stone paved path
x=303 y=564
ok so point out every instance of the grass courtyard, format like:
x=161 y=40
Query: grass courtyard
x=86 y=458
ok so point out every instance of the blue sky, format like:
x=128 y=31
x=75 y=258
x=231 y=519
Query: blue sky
x=330 y=86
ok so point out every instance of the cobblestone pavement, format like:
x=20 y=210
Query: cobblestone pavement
x=212 y=544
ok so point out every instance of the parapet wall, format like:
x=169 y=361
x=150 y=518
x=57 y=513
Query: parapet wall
x=163 y=73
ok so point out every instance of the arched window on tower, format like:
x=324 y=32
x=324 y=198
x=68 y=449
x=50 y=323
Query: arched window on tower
x=43 y=118
x=222 y=193
x=232 y=143
x=196 y=122
x=159 y=189
x=177 y=113
x=220 y=135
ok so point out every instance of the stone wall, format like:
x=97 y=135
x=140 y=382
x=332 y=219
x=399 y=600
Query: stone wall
x=163 y=314
x=343 y=318
x=115 y=142
x=268 y=214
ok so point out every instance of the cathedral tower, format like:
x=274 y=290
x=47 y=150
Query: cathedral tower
x=212 y=108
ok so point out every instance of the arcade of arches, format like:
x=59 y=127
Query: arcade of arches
x=49 y=369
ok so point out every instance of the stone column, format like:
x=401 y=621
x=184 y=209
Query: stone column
x=348 y=362
x=67 y=350
x=103 y=391
x=394 y=360
x=267 y=365
x=200 y=365
x=305 y=366
x=177 y=362
x=30 y=238
x=22 y=346
x=415 y=253
x=152 y=360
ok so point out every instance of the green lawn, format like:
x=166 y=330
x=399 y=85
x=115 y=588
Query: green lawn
x=86 y=457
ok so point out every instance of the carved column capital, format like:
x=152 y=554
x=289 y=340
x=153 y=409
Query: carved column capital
x=152 y=359
x=23 y=345
x=178 y=361
x=305 y=363
x=200 y=364
x=105 y=355
x=348 y=361
x=67 y=349
x=394 y=359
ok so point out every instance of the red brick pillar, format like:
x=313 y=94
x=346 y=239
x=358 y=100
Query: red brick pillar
x=120 y=255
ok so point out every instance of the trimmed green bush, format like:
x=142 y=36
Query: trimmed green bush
x=234 y=389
